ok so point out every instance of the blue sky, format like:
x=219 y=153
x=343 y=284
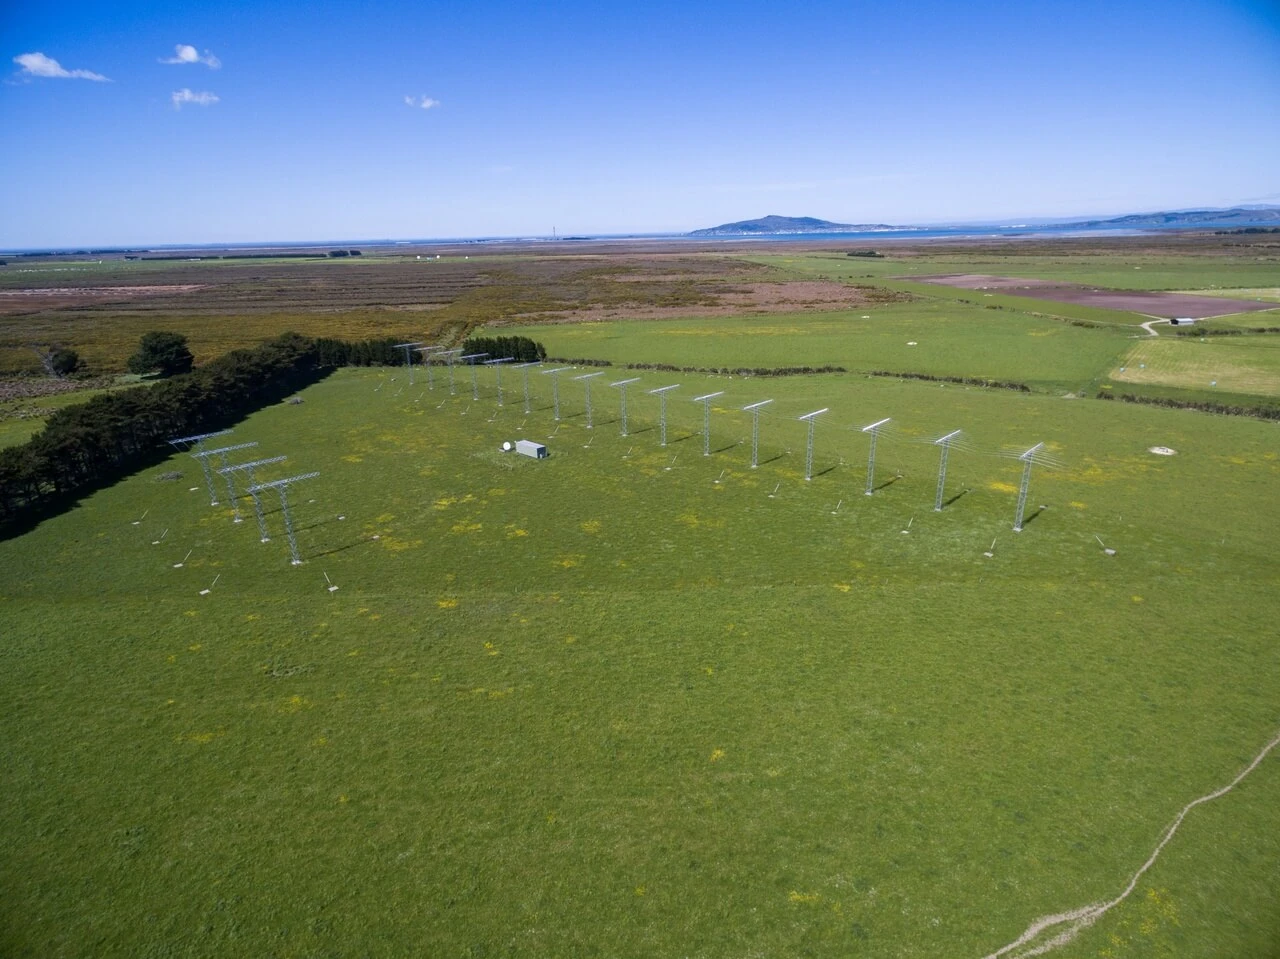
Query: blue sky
x=599 y=118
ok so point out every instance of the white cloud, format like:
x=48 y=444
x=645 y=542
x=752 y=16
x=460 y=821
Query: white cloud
x=185 y=53
x=38 y=65
x=184 y=95
x=423 y=102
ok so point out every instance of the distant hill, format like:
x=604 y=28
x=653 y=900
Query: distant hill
x=1236 y=216
x=790 y=224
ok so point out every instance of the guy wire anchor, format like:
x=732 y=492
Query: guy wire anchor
x=1105 y=548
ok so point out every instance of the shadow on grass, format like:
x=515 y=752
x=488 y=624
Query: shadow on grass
x=1030 y=518
x=887 y=483
x=948 y=502
x=775 y=456
x=343 y=548
x=824 y=472
x=725 y=449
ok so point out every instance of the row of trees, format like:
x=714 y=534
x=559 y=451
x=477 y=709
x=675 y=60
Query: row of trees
x=519 y=348
x=93 y=444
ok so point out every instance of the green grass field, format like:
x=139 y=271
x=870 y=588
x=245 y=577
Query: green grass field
x=951 y=339
x=603 y=704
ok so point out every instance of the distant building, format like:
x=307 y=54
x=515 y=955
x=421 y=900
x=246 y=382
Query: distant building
x=1181 y=321
x=530 y=448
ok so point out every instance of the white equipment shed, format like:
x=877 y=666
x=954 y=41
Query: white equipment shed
x=530 y=448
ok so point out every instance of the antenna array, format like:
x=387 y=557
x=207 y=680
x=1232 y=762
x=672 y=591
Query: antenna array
x=555 y=387
x=661 y=393
x=221 y=453
x=586 y=383
x=408 y=355
x=874 y=430
x=281 y=486
x=257 y=503
x=497 y=368
x=524 y=373
x=475 y=386
x=705 y=400
x=808 y=450
x=754 y=409
x=945 y=443
x=622 y=385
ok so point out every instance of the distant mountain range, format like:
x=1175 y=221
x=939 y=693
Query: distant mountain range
x=1241 y=216
x=1236 y=216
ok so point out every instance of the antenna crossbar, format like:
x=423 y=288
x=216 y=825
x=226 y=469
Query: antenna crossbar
x=199 y=437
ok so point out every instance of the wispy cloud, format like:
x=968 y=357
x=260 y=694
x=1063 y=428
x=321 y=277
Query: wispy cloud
x=423 y=102
x=38 y=65
x=179 y=97
x=185 y=53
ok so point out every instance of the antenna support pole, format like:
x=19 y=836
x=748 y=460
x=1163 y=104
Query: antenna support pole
x=1026 y=458
x=622 y=385
x=808 y=451
x=586 y=383
x=874 y=430
x=706 y=419
x=754 y=409
x=661 y=392
x=945 y=443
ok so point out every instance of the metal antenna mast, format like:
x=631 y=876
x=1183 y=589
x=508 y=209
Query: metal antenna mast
x=705 y=400
x=524 y=372
x=586 y=383
x=257 y=503
x=808 y=450
x=497 y=368
x=198 y=441
x=874 y=430
x=754 y=409
x=622 y=385
x=1026 y=458
x=281 y=486
x=222 y=456
x=426 y=352
x=475 y=385
x=945 y=443
x=408 y=355
x=449 y=357
x=555 y=386
x=661 y=393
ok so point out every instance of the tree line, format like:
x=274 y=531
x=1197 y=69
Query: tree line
x=93 y=444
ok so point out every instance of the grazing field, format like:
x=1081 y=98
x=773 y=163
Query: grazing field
x=950 y=339
x=635 y=701
x=1231 y=364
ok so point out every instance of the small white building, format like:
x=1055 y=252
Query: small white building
x=530 y=448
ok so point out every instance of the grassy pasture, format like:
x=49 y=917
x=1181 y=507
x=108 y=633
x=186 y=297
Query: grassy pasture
x=1128 y=267
x=1241 y=365
x=953 y=339
x=596 y=706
